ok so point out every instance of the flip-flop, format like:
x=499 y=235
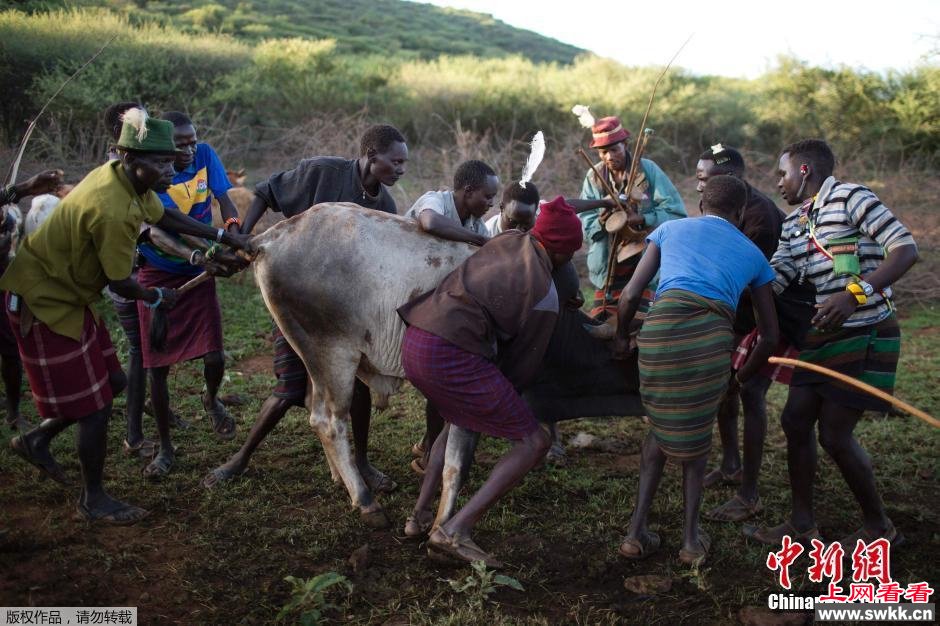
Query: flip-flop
x=773 y=536
x=718 y=477
x=638 y=549
x=737 y=509
x=698 y=556
x=219 y=475
x=21 y=447
x=459 y=548
x=223 y=424
x=158 y=467
x=124 y=516
x=146 y=449
x=417 y=450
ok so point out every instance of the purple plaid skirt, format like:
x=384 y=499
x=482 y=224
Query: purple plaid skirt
x=467 y=389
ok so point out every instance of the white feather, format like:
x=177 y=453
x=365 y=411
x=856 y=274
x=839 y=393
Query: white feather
x=137 y=118
x=584 y=115
x=536 y=154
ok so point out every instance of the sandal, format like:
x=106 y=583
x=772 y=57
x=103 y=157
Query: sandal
x=158 y=467
x=219 y=475
x=696 y=557
x=774 y=536
x=415 y=528
x=417 y=466
x=378 y=482
x=223 y=424
x=638 y=549
x=124 y=516
x=441 y=544
x=891 y=533
x=737 y=509
x=49 y=469
x=417 y=450
x=556 y=455
x=146 y=449
x=718 y=477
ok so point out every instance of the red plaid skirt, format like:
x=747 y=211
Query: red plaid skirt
x=68 y=378
x=777 y=373
x=194 y=323
x=468 y=390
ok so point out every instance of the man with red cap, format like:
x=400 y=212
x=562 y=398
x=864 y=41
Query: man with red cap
x=471 y=344
x=660 y=202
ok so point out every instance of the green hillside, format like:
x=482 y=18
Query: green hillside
x=387 y=27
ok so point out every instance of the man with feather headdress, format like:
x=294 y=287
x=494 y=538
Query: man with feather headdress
x=657 y=201
x=59 y=272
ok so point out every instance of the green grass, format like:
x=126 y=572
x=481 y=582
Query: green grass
x=220 y=557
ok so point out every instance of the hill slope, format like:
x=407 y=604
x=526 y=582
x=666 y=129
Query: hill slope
x=386 y=27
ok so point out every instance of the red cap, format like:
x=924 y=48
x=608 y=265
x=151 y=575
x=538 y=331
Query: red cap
x=557 y=227
x=608 y=131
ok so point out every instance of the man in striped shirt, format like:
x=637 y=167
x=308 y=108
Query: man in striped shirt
x=845 y=243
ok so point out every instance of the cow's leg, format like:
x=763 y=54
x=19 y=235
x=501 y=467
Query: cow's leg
x=458 y=456
x=333 y=370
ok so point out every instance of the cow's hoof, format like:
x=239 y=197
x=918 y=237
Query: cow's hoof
x=375 y=519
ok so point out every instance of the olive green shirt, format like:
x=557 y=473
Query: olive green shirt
x=88 y=240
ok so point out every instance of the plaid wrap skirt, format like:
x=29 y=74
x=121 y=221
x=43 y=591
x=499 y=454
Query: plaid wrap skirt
x=69 y=379
x=468 y=390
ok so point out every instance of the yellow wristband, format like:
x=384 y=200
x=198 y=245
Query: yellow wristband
x=858 y=293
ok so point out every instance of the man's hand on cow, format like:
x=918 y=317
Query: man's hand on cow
x=476 y=240
x=238 y=241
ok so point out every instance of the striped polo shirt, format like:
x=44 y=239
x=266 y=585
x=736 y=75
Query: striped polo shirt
x=839 y=210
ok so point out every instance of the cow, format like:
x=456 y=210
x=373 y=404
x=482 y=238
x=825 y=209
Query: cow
x=333 y=278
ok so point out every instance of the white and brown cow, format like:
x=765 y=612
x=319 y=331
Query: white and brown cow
x=334 y=276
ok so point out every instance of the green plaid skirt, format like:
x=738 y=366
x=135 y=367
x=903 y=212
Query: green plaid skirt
x=685 y=365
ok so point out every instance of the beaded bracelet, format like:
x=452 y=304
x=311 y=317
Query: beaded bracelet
x=233 y=220
x=155 y=303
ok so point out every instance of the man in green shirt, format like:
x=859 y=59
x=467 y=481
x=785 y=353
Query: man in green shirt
x=86 y=244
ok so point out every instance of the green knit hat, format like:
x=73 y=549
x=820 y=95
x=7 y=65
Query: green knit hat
x=143 y=133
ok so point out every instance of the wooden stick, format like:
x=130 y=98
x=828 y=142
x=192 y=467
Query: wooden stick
x=193 y=283
x=878 y=393
x=15 y=167
x=604 y=182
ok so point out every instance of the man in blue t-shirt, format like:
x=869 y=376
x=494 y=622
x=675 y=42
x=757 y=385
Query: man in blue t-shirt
x=704 y=265
x=195 y=322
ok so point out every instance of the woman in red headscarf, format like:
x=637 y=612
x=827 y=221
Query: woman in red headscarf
x=470 y=345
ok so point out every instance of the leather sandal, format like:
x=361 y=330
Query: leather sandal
x=640 y=548
x=718 y=477
x=891 y=533
x=737 y=509
x=460 y=548
x=697 y=556
x=774 y=536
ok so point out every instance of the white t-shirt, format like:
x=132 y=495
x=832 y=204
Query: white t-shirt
x=442 y=203
x=494 y=226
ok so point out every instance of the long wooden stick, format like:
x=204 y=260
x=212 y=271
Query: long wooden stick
x=634 y=165
x=15 y=166
x=878 y=393
x=192 y=283
x=604 y=182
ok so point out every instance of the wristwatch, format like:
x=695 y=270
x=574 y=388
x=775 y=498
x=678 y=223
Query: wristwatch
x=868 y=289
